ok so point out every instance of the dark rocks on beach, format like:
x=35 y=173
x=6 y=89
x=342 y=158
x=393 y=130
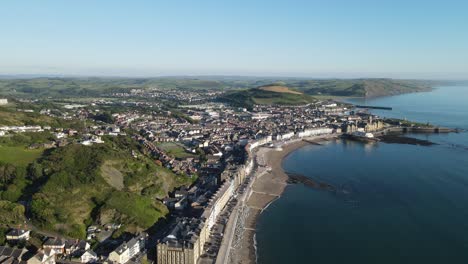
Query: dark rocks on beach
x=397 y=139
x=296 y=178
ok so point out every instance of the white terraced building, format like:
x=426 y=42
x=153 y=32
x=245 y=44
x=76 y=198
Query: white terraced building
x=3 y=101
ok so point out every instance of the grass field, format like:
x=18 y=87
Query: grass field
x=19 y=155
x=175 y=150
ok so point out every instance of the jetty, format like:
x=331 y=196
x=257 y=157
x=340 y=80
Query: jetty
x=374 y=107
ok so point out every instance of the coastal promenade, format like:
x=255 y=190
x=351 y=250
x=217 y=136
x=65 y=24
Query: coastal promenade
x=268 y=183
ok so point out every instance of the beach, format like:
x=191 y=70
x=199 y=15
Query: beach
x=268 y=184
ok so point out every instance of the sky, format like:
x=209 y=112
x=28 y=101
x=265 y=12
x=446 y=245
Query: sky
x=323 y=39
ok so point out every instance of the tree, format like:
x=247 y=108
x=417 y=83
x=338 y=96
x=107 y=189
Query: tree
x=7 y=173
x=35 y=171
x=11 y=213
x=105 y=117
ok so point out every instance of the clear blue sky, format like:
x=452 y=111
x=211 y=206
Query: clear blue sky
x=327 y=38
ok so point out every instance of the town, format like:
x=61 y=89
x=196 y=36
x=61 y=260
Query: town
x=209 y=141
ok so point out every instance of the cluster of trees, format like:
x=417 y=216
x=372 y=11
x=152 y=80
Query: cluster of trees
x=105 y=117
x=11 y=213
x=12 y=181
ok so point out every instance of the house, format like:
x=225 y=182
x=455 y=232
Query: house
x=11 y=255
x=46 y=256
x=17 y=234
x=72 y=246
x=55 y=244
x=181 y=204
x=14 y=255
x=113 y=129
x=170 y=202
x=128 y=250
x=59 y=135
x=182 y=193
x=88 y=256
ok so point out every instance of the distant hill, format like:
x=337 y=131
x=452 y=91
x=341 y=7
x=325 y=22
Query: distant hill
x=95 y=87
x=360 y=87
x=267 y=95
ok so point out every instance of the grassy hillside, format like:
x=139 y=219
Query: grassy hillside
x=72 y=187
x=267 y=95
x=359 y=87
x=14 y=149
x=11 y=115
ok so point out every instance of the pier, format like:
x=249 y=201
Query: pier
x=374 y=107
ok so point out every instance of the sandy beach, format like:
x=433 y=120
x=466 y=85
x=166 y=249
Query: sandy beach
x=268 y=185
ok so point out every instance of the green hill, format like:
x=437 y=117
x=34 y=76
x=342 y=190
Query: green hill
x=73 y=186
x=360 y=87
x=267 y=95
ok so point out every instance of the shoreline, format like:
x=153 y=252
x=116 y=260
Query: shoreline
x=268 y=185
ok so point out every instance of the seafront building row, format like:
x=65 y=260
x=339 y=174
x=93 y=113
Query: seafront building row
x=186 y=241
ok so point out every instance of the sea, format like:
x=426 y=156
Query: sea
x=391 y=203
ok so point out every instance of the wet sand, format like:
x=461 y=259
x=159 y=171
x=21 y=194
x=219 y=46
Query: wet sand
x=269 y=184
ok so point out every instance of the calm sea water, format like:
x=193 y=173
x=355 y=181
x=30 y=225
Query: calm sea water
x=393 y=203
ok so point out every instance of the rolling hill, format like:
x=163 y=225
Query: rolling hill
x=94 y=87
x=70 y=187
x=360 y=87
x=273 y=94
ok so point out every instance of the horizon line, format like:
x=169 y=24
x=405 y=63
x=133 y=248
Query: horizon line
x=110 y=76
